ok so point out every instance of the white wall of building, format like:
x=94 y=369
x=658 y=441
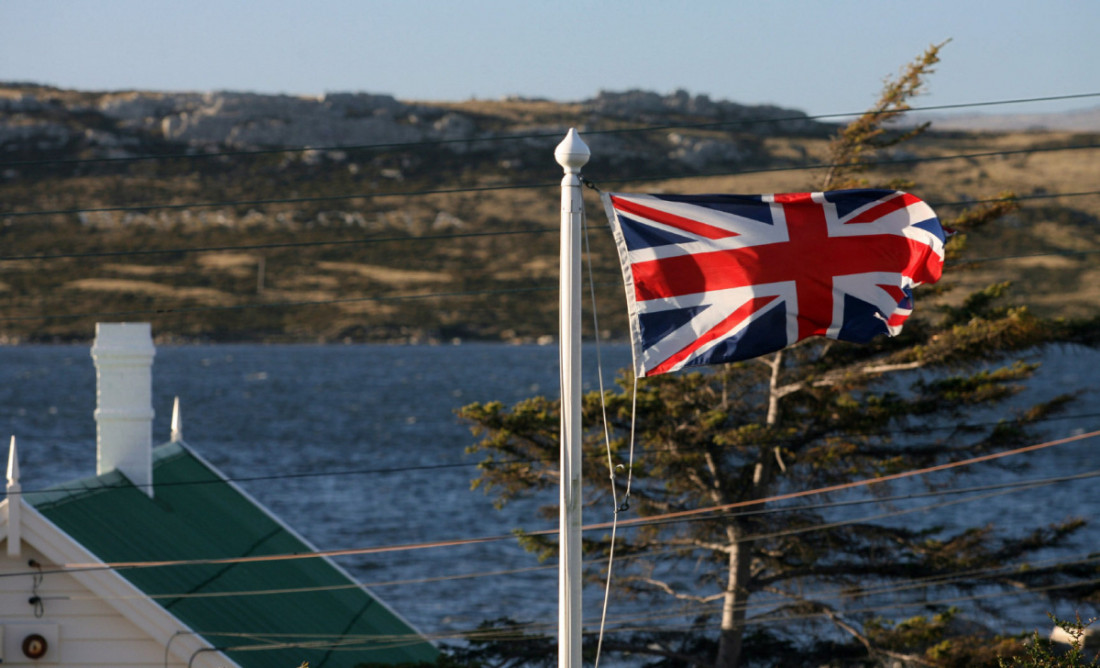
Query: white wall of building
x=90 y=618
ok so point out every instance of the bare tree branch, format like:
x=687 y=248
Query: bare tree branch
x=671 y=591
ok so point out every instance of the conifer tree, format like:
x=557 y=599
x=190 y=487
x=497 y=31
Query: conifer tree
x=819 y=414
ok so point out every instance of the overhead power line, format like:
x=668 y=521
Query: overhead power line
x=277 y=200
x=289 y=304
x=943 y=580
x=848 y=485
x=649 y=621
x=759 y=603
x=384 y=146
x=951 y=579
x=363 y=241
x=71 y=567
x=714 y=609
x=530 y=289
x=885 y=162
x=390 y=470
x=893 y=587
x=136 y=208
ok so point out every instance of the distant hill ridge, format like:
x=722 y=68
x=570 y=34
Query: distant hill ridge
x=34 y=113
x=41 y=117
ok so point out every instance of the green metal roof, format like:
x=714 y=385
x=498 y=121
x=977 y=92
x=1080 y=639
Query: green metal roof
x=330 y=628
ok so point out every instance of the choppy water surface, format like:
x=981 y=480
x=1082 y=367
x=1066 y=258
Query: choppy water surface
x=379 y=422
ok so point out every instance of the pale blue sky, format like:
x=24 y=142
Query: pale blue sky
x=821 y=57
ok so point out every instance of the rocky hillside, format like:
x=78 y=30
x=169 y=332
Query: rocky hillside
x=358 y=217
x=45 y=123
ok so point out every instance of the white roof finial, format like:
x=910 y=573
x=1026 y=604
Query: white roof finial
x=13 y=465
x=15 y=504
x=177 y=423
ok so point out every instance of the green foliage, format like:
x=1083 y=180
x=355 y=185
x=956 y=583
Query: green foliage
x=919 y=631
x=936 y=640
x=1042 y=653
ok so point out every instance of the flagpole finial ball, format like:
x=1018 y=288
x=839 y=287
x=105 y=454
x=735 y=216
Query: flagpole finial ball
x=572 y=153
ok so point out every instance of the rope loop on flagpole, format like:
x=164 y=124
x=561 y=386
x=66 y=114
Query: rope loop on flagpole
x=630 y=460
x=589 y=184
x=624 y=505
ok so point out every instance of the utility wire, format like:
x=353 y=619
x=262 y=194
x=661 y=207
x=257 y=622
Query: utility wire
x=677 y=612
x=694 y=610
x=418 y=296
x=848 y=485
x=274 y=245
x=343 y=641
x=287 y=304
x=951 y=579
x=387 y=298
x=278 y=200
x=71 y=567
x=382 y=146
x=1006 y=488
x=464 y=235
x=980 y=492
x=524 y=462
x=1020 y=256
x=781 y=618
x=893 y=587
x=531 y=186
x=885 y=162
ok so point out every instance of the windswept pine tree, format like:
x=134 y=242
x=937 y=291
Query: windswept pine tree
x=819 y=414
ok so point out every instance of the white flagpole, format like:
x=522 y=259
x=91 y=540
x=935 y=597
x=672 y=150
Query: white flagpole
x=571 y=154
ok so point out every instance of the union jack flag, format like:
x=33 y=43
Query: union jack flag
x=720 y=278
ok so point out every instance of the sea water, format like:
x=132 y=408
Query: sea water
x=359 y=446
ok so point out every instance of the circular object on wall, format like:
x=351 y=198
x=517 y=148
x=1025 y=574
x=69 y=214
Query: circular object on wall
x=35 y=646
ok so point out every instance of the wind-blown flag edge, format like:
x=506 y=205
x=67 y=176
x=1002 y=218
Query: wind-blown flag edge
x=908 y=223
x=636 y=342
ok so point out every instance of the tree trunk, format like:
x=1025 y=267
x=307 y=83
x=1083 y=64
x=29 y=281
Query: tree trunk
x=736 y=599
x=734 y=608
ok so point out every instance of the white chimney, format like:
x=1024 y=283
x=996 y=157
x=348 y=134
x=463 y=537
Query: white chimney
x=123 y=354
